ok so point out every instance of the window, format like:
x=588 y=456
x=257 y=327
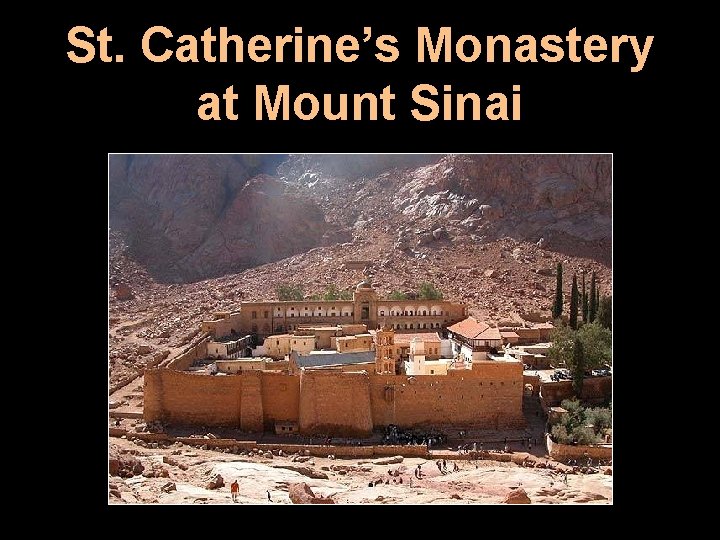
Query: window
x=266 y=315
x=432 y=372
x=382 y=312
x=292 y=309
x=423 y=325
x=424 y=312
x=411 y=325
x=254 y=314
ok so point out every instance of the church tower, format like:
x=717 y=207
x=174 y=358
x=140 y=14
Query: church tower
x=384 y=362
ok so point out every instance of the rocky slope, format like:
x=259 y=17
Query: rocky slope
x=181 y=474
x=187 y=217
x=190 y=217
x=561 y=201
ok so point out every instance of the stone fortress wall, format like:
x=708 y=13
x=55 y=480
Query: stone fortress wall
x=338 y=403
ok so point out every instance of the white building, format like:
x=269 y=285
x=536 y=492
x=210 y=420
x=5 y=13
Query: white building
x=419 y=365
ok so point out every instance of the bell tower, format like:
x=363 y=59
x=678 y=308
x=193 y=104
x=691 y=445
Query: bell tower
x=384 y=362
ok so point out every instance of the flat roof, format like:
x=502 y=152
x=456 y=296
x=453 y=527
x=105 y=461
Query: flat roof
x=401 y=339
x=311 y=360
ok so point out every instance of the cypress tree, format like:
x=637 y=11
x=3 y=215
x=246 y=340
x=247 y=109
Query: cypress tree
x=574 y=297
x=593 y=300
x=558 y=303
x=604 y=312
x=584 y=302
x=578 y=366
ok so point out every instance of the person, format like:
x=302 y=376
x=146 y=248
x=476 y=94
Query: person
x=439 y=465
x=268 y=495
x=455 y=466
x=234 y=490
x=507 y=448
x=529 y=444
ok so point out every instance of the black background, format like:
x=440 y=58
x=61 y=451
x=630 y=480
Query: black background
x=142 y=107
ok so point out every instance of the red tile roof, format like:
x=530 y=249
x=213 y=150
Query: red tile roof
x=471 y=328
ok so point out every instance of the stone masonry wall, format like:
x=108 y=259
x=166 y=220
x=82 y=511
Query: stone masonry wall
x=490 y=397
x=335 y=403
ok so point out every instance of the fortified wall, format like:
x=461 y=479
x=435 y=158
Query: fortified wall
x=337 y=403
x=595 y=390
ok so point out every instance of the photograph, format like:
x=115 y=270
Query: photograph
x=360 y=328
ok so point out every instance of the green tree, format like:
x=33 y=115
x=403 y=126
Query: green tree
x=574 y=300
x=578 y=368
x=604 y=313
x=397 y=295
x=584 y=301
x=287 y=291
x=598 y=417
x=562 y=345
x=558 y=303
x=427 y=291
x=597 y=345
x=346 y=295
x=331 y=293
x=593 y=300
x=559 y=434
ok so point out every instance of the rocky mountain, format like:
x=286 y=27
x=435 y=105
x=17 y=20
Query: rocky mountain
x=187 y=217
x=561 y=201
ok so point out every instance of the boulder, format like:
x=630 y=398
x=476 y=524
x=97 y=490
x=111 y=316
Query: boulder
x=170 y=486
x=301 y=493
x=608 y=471
x=388 y=460
x=268 y=455
x=517 y=496
x=215 y=483
x=305 y=471
x=439 y=233
x=123 y=292
x=144 y=349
